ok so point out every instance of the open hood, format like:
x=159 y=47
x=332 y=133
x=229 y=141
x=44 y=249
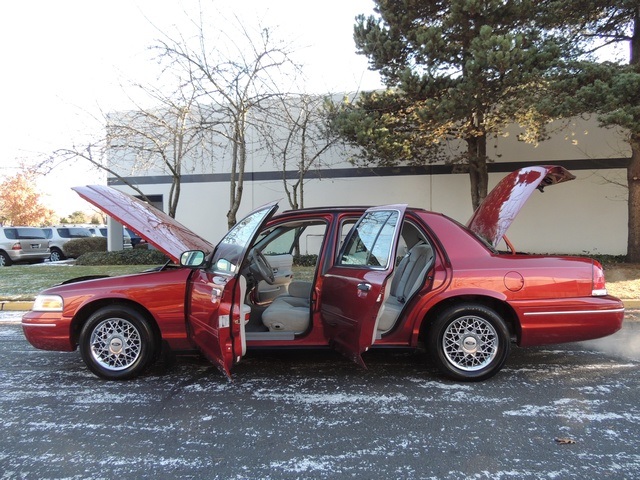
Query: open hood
x=496 y=213
x=156 y=227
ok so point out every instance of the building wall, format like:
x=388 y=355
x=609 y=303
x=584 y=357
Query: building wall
x=587 y=215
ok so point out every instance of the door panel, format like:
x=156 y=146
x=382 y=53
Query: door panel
x=350 y=304
x=209 y=317
x=354 y=288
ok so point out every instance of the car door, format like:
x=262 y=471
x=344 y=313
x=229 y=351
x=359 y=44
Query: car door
x=215 y=304
x=353 y=289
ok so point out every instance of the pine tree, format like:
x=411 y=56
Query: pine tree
x=456 y=70
x=609 y=89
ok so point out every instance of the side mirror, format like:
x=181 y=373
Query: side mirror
x=192 y=258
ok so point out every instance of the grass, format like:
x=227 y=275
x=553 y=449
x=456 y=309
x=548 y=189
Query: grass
x=23 y=282
x=623 y=280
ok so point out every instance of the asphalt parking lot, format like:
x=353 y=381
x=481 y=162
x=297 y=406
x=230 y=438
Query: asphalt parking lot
x=569 y=411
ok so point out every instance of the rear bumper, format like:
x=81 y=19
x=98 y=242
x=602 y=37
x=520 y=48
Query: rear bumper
x=48 y=331
x=544 y=322
x=22 y=256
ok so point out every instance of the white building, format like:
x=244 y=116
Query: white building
x=585 y=216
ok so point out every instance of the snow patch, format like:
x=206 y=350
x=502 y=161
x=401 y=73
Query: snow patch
x=330 y=398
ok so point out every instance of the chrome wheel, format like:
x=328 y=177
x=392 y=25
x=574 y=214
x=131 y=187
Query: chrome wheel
x=118 y=342
x=470 y=343
x=115 y=344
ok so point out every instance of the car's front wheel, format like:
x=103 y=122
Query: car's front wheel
x=469 y=342
x=117 y=343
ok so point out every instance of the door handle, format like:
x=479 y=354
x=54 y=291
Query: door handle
x=364 y=287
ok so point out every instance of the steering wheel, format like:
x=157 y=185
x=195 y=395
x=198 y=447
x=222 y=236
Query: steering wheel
x=260 y=267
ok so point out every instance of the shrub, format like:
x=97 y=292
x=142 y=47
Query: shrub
x=133 y=256
x=79 y=246
x=305 y=260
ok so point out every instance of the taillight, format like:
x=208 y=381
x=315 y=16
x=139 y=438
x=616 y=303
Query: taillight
x=16 y=246
x=598 y=287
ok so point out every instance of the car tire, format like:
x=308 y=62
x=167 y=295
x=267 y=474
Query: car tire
x=56 y=255
x=5 y=260
x=469 y=342
x=117 y=343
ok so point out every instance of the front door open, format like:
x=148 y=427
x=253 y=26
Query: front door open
x=215 y=302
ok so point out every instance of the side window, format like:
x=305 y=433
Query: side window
x=301 y=239
x=345 y=228
x=78 y=233
x=371 y=241
x=282 y=244
x=10 y=233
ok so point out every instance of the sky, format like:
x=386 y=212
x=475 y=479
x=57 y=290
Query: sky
x=66 y=61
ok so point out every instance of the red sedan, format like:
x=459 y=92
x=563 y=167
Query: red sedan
x=389 y=276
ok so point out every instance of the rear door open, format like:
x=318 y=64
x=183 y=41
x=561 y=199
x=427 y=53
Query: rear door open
x=353 y=289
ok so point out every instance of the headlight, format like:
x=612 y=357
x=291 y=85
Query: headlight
x=48 y=303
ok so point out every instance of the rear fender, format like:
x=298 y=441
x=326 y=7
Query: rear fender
x=487 y=298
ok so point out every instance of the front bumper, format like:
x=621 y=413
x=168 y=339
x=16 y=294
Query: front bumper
x=48 y=331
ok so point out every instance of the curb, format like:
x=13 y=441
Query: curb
x=15 y=306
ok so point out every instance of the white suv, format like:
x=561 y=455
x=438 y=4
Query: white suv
x=58 y=236
x=22 y=244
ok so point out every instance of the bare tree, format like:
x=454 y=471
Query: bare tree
x=166 y=139
x=169 y=138
x=297 y=138
x=93 y=152
x=238 y=73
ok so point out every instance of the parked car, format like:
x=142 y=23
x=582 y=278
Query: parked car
x=22 y=244
x=136 y=240
x=402 y=277
x=58 y=236
x=103 y=232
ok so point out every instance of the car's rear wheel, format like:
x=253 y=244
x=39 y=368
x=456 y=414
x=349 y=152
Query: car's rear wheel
x=56 y=255
x=5 y=260
x=469 y=342
x=117 y=343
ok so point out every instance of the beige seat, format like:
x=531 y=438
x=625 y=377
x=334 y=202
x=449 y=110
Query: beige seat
x=408 y=278
x=290 y=313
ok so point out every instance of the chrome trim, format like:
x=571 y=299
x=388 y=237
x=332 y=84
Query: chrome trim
x=575 y=312
x=38 y=324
